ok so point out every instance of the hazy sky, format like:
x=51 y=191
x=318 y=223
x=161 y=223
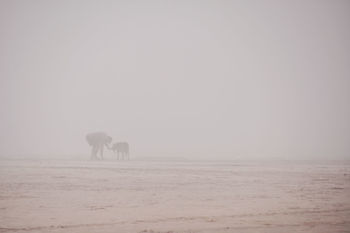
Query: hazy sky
x=222 y=79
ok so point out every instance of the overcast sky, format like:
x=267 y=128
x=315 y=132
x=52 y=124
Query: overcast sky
x=211 y=79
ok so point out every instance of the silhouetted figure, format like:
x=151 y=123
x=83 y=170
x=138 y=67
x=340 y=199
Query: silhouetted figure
x=121 y=148
x=97 y=141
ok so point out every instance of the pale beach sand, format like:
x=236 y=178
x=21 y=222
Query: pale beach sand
x=173 y=196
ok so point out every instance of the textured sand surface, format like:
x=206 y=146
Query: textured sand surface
x=189 y=196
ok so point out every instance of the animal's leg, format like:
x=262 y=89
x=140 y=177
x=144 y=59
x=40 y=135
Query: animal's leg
x=93 y=152
x=101 y=151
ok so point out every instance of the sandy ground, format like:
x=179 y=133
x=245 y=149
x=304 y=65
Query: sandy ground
x=189 y=196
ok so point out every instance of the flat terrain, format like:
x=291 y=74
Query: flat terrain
x=173 y=196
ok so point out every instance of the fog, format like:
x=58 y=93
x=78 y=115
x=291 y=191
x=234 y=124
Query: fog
x=190 y=79
x=219 y=116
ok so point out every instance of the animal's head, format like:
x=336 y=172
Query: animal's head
x=108 y=139
x=88 y=139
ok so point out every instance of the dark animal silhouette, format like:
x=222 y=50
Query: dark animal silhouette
x=122 y=149
x=97 y=141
